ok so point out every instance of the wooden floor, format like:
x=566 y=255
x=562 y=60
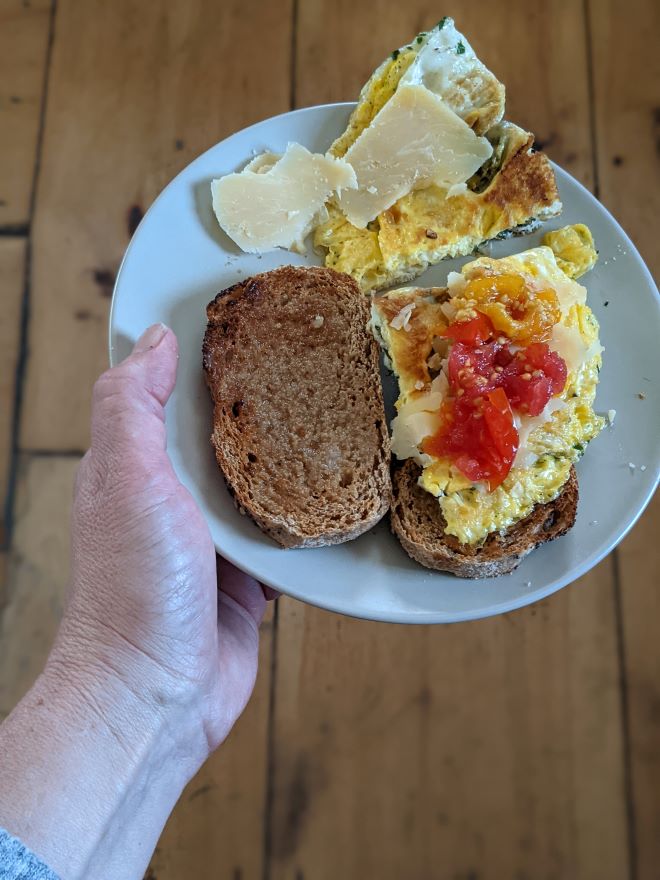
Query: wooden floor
x=525 y=747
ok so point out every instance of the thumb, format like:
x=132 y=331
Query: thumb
x=128 y=400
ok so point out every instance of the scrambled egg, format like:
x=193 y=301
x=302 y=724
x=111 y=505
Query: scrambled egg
x=574 y=249
x=549 y=443
x=514 y=187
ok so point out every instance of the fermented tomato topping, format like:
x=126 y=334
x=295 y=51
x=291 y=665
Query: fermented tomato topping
x=478 y=436
x=488 y=381
x=523 y=315
x=472 y=332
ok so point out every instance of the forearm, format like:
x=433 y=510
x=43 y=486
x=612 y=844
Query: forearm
x=89 y=773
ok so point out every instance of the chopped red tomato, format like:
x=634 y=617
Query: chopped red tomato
x=472 y=370
x=473 y=332
x=487 y=382
x=532 y=377
x=479 y=435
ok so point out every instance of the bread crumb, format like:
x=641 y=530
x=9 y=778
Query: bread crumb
x=431 y=233
x=641 y=395
x=317 y=321
x=632 y=466
x=642 y=467
x=241 y=510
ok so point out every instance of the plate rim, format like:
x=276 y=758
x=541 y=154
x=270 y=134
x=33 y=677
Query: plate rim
x=425 y=617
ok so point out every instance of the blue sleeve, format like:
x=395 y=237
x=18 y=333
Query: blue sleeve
x=18 y=863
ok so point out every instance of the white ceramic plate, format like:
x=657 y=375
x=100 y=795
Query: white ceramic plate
x=179 y=259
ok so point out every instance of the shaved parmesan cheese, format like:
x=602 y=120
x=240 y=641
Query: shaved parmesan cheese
x=528 y=424
x=449 y=309
x=447 y=65
x=430 y=402
x=273 y=202
x=456 y=190
x=402 y=319
x=413 y=141
x=263 y=162
x=569 y=345
x=440 y=383
x=408 y=433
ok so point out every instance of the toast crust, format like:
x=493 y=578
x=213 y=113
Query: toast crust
x=299 y=427
x=417 y=521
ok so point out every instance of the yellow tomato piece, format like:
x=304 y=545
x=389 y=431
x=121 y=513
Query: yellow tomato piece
x=524 y=315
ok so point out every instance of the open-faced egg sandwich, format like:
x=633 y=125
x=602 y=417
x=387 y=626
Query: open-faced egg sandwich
x=497 y=376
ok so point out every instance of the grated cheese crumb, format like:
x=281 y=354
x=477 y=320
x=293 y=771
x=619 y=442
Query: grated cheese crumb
x=402 y=320
x=611 y=415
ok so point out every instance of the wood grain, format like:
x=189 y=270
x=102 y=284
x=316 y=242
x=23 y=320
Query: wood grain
x=24 y=32
x=216 y=830
x=136 y=90
x=627 y=113
x=12 y=273
x=546 y=89
x=38 y=572
x=627 y=116
x=491 y=749
x=639 y=564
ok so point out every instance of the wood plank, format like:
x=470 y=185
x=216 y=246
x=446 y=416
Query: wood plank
x=491 y=749
x=136 y=90
x=217 y=828
x=24 y=32
x=628 y=133
x=546 y=89
x=639 y=564
x=627 y=117
x=12 y=272
x=38 y=572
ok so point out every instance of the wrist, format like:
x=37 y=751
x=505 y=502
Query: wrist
x=144 y=714
x=91 y=771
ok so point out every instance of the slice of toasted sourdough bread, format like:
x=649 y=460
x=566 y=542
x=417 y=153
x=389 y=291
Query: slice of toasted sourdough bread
x=299 y=426
x=418 y=523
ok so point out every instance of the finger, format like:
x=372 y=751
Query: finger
x=242 y=588
x=128 y=400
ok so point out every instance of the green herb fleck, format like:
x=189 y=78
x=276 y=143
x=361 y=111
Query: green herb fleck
x=579 y=447
x=419 y=39
x=442 y=23
x=460 y=49
x=395 y=54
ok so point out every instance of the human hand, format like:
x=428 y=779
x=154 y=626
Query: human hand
x=147 y=604
x=156 y=654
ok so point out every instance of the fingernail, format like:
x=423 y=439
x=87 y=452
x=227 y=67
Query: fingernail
x=151 y=338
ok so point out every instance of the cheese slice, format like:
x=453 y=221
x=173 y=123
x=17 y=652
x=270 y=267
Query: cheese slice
x=274 y=201
x=447 y=65
x=413 y=141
